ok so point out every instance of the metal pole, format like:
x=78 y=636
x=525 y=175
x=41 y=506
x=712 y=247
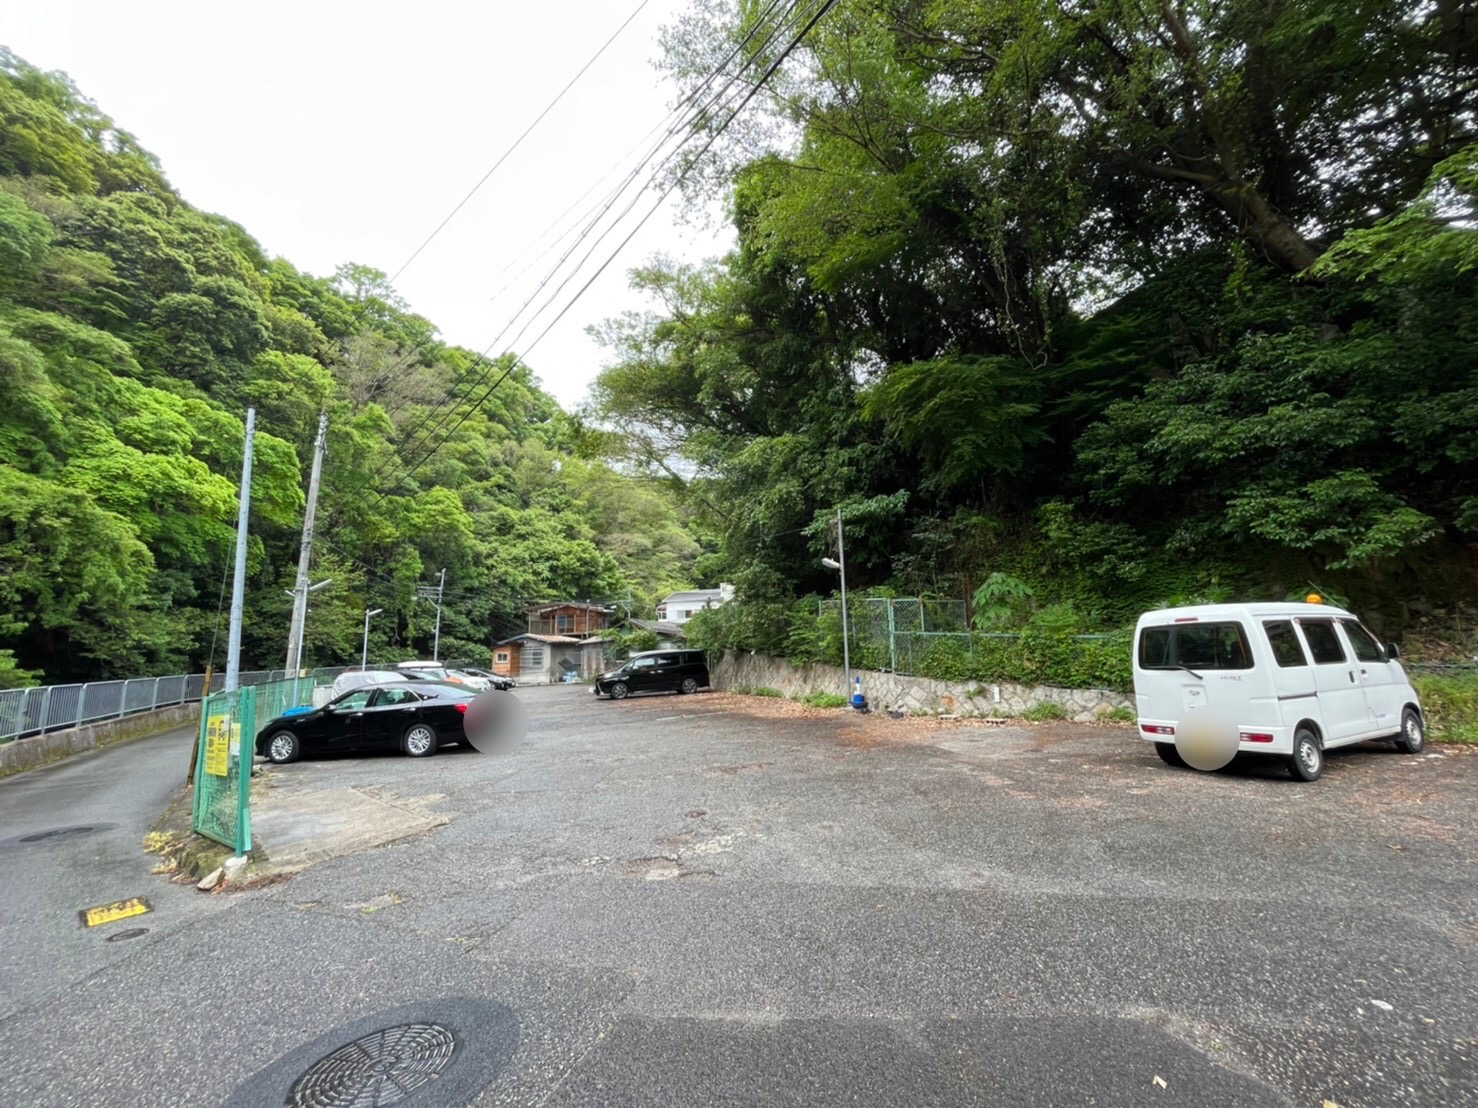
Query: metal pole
x=305 y=553
x=892 y=638
x=846 y=645
x=238 y=580
x=436 y=648
x=364 y=659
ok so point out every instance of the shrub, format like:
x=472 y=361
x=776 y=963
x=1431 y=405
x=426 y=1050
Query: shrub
x=1122 y=714
x=824 y=700
x=766 y=690
x=1044 y=710
x=1450 y=705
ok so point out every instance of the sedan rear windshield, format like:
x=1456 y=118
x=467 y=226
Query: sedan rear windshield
x=1195 y=645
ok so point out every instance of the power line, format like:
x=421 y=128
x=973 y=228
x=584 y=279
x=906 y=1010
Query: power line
x=519 y=141
x=752 y=90
x=684 y=115
x=484 y=180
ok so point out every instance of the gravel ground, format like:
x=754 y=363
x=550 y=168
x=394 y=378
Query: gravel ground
x=735 y=900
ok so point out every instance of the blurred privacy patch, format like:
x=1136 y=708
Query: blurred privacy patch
x=496 y=720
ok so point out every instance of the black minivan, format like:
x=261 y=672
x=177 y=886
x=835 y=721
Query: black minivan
x=683 y=671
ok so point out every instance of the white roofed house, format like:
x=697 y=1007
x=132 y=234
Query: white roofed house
x=683 y=606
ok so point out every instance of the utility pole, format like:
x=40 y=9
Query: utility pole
x=296 y=631
x=238 y=581
x=426 y=592
x=295 y=659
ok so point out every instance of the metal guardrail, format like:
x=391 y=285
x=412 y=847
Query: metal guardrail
x=43 y=708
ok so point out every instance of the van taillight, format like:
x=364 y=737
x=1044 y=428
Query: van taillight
x=1256 y=737
x=462 y=708
x=1156 y=729
x=1189 y=619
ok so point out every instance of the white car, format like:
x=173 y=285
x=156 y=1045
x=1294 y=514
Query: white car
x=435 y=671
x=1294 y=679
x=359 y=678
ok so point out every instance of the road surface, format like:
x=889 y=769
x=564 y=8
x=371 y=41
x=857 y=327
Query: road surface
x=712 y=900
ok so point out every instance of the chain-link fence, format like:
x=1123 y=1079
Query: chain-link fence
x=903 y=634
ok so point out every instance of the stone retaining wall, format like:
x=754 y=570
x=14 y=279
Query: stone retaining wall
x=737 y=670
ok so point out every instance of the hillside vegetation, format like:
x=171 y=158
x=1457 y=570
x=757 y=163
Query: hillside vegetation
x=136 y=330
x=1077 y=309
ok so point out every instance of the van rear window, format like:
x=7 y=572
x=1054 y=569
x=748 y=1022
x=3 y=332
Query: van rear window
x=1197 y=645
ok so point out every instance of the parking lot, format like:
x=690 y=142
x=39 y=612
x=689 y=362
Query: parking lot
x=724 y=900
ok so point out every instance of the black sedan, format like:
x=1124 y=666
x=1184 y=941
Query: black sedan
x=415 y=717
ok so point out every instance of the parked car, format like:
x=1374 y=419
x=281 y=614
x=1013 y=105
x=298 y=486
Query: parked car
x=359 y=678
x=1296 y=679
x=683 y=671
x=414 y=717
x=494 y=680
x=435 y=671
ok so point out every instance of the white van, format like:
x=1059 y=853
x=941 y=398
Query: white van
x=1298 y=679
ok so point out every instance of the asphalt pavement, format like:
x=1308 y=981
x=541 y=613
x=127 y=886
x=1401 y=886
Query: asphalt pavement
x=716 y=900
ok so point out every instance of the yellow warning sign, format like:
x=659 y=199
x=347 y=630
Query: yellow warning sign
x=111 y=913
x=218 y=745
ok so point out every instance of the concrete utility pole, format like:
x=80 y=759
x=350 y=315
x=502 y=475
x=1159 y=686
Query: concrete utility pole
x=238 y=581
x=305 y=554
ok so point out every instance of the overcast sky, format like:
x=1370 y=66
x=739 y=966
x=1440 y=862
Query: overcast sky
x=338 y=131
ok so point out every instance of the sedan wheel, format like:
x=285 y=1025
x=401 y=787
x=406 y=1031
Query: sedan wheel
x=420 y=741
x=283 y=747
x=1413 y=735
x=619 y=690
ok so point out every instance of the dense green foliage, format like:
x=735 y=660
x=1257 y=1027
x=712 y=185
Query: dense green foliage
x=1128 y=303
x=134 y=333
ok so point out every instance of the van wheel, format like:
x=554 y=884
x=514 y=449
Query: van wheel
x=1306 y=763
x=689 y=685
x=618 y=691
x=1413 y=737
x=1169 y=755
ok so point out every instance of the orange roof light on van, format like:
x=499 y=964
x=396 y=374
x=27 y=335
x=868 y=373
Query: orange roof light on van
x=1314 y=598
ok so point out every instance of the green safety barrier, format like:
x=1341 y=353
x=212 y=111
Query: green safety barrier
x=228 y=733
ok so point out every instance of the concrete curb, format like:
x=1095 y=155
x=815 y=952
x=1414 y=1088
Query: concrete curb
x=20 y=755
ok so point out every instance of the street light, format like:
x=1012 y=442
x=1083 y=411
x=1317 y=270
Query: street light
x=840 y=565
x=364 y=658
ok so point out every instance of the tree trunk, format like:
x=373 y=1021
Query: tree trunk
x=1267 y=228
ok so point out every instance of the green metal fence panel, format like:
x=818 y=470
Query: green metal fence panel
x=228 y=731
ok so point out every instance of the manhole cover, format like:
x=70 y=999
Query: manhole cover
x=124 y=936
x=425 y=1054
x=381 y=1068
x=56 y=834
